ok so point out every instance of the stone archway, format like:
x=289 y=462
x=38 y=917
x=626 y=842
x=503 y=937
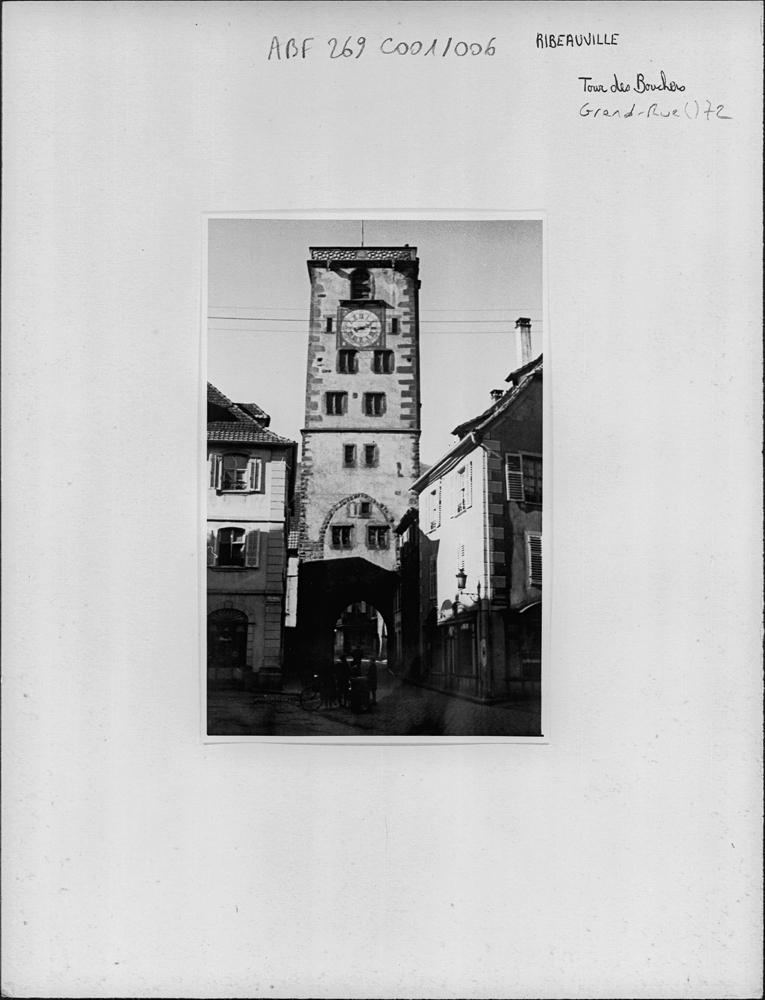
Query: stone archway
x=326 y=588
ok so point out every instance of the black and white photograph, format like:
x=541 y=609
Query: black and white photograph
x=382 y=499
x=374 y=477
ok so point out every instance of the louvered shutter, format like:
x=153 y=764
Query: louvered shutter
x=535 y=560
x=256 y=474
x=452 y=494
x=252 y=549
x=514 y=474
x=469 y=485
x=216 y=463
x=211 y=555
x=438 y=505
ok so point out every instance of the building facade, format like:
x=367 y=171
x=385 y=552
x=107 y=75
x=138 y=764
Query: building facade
x=360 y=449
x=250 y=477
x=480 y=551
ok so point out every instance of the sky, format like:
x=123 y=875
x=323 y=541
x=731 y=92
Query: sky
x=478 y=278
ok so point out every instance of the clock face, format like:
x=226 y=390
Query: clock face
x=361 y=327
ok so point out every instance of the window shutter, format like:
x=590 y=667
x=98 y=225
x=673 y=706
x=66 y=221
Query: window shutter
x=211 y=554
x=216 y=462
x=252 y=550
x=256 y=474
x=438 y=506
x=535 y=559
x=453 y=494
x=514 y=474
x=469 y=485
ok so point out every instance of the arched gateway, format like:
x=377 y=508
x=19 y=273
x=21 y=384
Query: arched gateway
x=326 y=589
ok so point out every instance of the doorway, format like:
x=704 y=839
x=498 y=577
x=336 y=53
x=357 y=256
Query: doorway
x=226 y=647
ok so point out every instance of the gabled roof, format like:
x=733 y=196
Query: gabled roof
x=236 y=422
x=519 y=379
x=522 y=379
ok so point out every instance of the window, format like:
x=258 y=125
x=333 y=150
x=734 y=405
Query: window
x=377 y=538
x=394 y=325
x=370 y=454
x=434 y=508
x=524 y=478
x=374 y=404
x=236 y=472
x=349 y=455
x=234 y=549
x=433 y=579
x=329 y=324
x=365 y=508
x=361 y=284
x=464 y=488
x=342 y=536
x=534 y=558
x=348 y=362
x=337 y=403
x=383 y=362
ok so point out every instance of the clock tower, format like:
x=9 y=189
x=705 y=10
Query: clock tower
x=362 y=413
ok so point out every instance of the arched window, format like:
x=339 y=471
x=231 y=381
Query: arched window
x=361 y=284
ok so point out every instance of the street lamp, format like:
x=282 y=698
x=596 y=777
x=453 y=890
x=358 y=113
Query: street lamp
x=461 y=579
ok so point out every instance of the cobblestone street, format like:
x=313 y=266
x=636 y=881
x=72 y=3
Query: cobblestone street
x=401 y=710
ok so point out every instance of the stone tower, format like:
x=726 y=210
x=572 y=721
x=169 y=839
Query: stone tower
x=362 y=411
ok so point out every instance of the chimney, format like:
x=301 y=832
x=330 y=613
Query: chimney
x=497 y=394
x=523 y=326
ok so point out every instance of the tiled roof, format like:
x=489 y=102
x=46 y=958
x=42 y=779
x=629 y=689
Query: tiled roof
x=216 y=396
x=244 y=432
x=242 y=425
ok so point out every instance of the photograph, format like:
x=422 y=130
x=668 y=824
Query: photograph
x=374 y=477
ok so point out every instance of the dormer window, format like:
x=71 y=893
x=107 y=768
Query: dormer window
x=361 y=284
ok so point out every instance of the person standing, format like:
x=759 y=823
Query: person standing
x=372 y=679
x=342 y=679
x=357 y=656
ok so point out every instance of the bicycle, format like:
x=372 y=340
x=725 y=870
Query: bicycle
x=310 y=696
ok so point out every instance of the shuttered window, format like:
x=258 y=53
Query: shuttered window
x=534 y=558
x=252 y=553
x=433 y=579
x=514 y=476
x=434 y=507
x=523 y=476
x=256 y=475
x=231 y=547
x=237 y=473
x=463 y=488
